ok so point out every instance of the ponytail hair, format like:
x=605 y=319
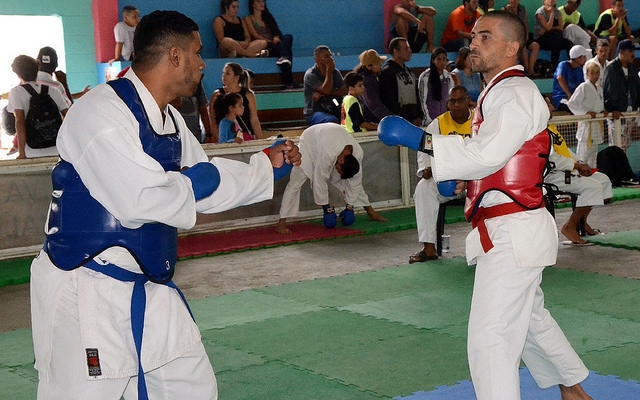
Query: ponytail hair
x=240 y=72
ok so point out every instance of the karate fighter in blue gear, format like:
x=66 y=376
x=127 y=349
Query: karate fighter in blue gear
x=108 y=321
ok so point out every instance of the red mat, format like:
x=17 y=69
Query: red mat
x=225 y=242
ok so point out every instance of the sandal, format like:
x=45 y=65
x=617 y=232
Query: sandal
x=421 y=256
x=578 y=244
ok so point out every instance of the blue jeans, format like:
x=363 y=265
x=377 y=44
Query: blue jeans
x=283 y=49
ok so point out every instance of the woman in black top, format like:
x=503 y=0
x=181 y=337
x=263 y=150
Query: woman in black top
x=235 y=79
x=232 y=35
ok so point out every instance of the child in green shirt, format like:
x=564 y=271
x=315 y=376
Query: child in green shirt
x=351 y=110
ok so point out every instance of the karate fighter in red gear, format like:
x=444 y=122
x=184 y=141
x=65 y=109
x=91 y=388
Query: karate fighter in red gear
x=514 y=237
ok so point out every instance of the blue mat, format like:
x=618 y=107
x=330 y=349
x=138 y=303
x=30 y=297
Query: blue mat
x=597 y=386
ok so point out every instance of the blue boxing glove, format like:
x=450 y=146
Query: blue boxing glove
x=447 y=188
x=347 y=216
x=394 y=131
x=329 y=218
x=205 y=179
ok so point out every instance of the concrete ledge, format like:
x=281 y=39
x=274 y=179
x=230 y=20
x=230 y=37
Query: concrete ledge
x=26 y=185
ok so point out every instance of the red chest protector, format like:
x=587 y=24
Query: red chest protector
x=522 y=176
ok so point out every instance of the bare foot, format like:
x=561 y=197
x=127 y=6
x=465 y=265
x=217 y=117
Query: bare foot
x=282 y=229
x=575 y=392
x=430 y=249
x=572 y=235
x=590 y=231
x=377 y=217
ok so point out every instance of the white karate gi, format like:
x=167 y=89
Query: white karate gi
x=595 y=60
x=577 y=35
x=508 y=320
x=587 y=98
x=320 y=146
x=80 y=309
x=591 y=190
x=426 y=196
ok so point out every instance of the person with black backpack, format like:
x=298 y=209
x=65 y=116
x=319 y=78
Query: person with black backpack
x=38 y=110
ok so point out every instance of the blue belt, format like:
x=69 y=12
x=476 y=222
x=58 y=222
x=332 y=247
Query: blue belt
x=138 y=305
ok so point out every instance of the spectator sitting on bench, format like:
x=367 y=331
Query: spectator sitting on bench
x=195 y=112
x=568 y=76
x=484 y=6
x=573 y=176
x=405 y=23
x=457 y=31
x=612 y=24
x=528 y=60
x=548 y=30
x=370 y=67
x=233 y=36
x=323 y=89
x=235 y=79
x=463 y=75
x=574 y=27
x=26 y=68
x=398 y=84
x=263 y=26
x=456 y=121
x=434 y=85
x=352 y=119
x=229 y=130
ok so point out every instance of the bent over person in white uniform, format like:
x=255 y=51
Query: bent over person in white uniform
x=108 y=322
x=331 y=156
x=513 y=236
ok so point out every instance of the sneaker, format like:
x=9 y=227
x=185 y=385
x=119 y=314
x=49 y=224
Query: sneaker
x=630 y=182
x=283 y=61
x=263 y=53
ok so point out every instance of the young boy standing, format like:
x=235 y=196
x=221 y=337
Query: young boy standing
x=351 y=110
x=123 y=32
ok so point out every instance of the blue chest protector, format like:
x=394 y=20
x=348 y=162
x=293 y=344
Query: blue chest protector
x=80 y=227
